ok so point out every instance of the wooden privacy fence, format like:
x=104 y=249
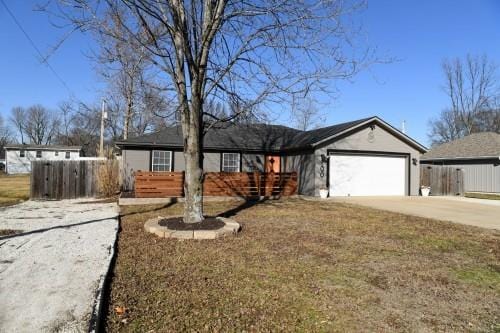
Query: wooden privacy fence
x=56 y=180
x=443 y=180
x=241 y=184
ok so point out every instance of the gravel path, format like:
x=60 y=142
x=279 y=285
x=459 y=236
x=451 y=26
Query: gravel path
x=50 y=272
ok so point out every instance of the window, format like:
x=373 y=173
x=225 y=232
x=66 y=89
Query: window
x=230 y=162
x=56 y=153
x=22 y=153
x=38 y=154
x=67 y=156
x=161 y=160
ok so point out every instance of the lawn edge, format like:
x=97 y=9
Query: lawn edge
x=99 y=308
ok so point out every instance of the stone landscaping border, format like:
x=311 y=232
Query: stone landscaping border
x=231 y=227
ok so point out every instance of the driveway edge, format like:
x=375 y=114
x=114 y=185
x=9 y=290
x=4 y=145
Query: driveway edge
x=96 y=323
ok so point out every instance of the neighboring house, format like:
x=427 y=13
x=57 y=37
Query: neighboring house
x=477 y=154
x=18 y=157
x=362 y=157
x=2 y=159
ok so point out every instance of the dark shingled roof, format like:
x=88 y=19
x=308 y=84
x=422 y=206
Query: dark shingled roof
x=257 y=137
x=486 y=144
x=240 y=136
x=308 y=138
x=42 y=147
x=260 y=137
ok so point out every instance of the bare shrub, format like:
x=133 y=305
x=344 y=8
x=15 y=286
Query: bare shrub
x=108 y=178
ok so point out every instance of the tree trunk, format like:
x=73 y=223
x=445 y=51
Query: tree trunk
x=193 y=181
x=128 y=116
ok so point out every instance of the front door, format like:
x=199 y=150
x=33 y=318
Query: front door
x=273 y=164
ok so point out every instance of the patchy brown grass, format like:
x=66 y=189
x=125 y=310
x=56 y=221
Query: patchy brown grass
x=8 y=232
x=307 y=266
x=14 y=189
x=488 y=196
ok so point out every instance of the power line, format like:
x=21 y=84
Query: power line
x=44 y=60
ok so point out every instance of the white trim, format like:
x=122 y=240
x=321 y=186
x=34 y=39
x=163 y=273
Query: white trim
x=460 y=158
x=222 y=162
x=152 y=159
x=33 y=148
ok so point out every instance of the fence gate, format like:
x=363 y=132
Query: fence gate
x=56 y=180
x=443 y=180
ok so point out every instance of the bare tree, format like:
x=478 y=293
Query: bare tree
x=80 y=126
x=36 y=124
x=473 y=91
x=248 y=52
x=66 y=116
x=5 y=135
x=41 y=125
x=305 y=114
x=123 y=63
x=18 y=120
x=446 y=128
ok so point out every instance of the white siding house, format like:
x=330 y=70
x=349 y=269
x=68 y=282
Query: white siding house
x=18 y=157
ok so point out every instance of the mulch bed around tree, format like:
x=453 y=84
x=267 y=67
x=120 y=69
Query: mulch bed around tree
x=177 y=223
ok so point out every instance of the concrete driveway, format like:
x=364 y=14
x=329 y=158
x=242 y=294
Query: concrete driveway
x=51 y=271
x=475 y=212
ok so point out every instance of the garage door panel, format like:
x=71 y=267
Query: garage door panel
x=367 y=175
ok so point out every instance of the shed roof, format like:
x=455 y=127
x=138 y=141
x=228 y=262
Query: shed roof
x=41 y=147
x=477 y=145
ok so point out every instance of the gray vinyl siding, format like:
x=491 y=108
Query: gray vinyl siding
x=479 y=175
x=252 y=162
x=132 y=161
x=382 y=141
x=303 y=164
x=179 y=164
x=211 y=161
x=481 y=178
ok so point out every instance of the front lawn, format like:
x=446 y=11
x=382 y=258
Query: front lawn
x=14 y=189
x=307 y=266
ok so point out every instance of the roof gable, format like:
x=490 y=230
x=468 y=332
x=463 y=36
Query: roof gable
x=477 y=145
x=351 y=127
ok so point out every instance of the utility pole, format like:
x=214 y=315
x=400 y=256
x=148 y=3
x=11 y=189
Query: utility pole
x=104 y=116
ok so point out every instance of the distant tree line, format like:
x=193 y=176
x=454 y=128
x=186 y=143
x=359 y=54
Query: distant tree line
x=472 y=86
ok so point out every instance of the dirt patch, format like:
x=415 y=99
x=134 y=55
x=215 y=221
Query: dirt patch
x=306 y=266
x=100 y=201
x=177 y=223
x=7 y=232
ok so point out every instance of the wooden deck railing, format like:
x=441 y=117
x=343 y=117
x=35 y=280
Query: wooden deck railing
x=240 y=184
x=159 y=184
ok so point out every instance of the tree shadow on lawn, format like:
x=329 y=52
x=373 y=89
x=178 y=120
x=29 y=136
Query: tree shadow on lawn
x=245 y=205
x=67 y=226
x=248 y=203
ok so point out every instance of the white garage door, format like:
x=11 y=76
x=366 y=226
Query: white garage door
x=358 y=175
